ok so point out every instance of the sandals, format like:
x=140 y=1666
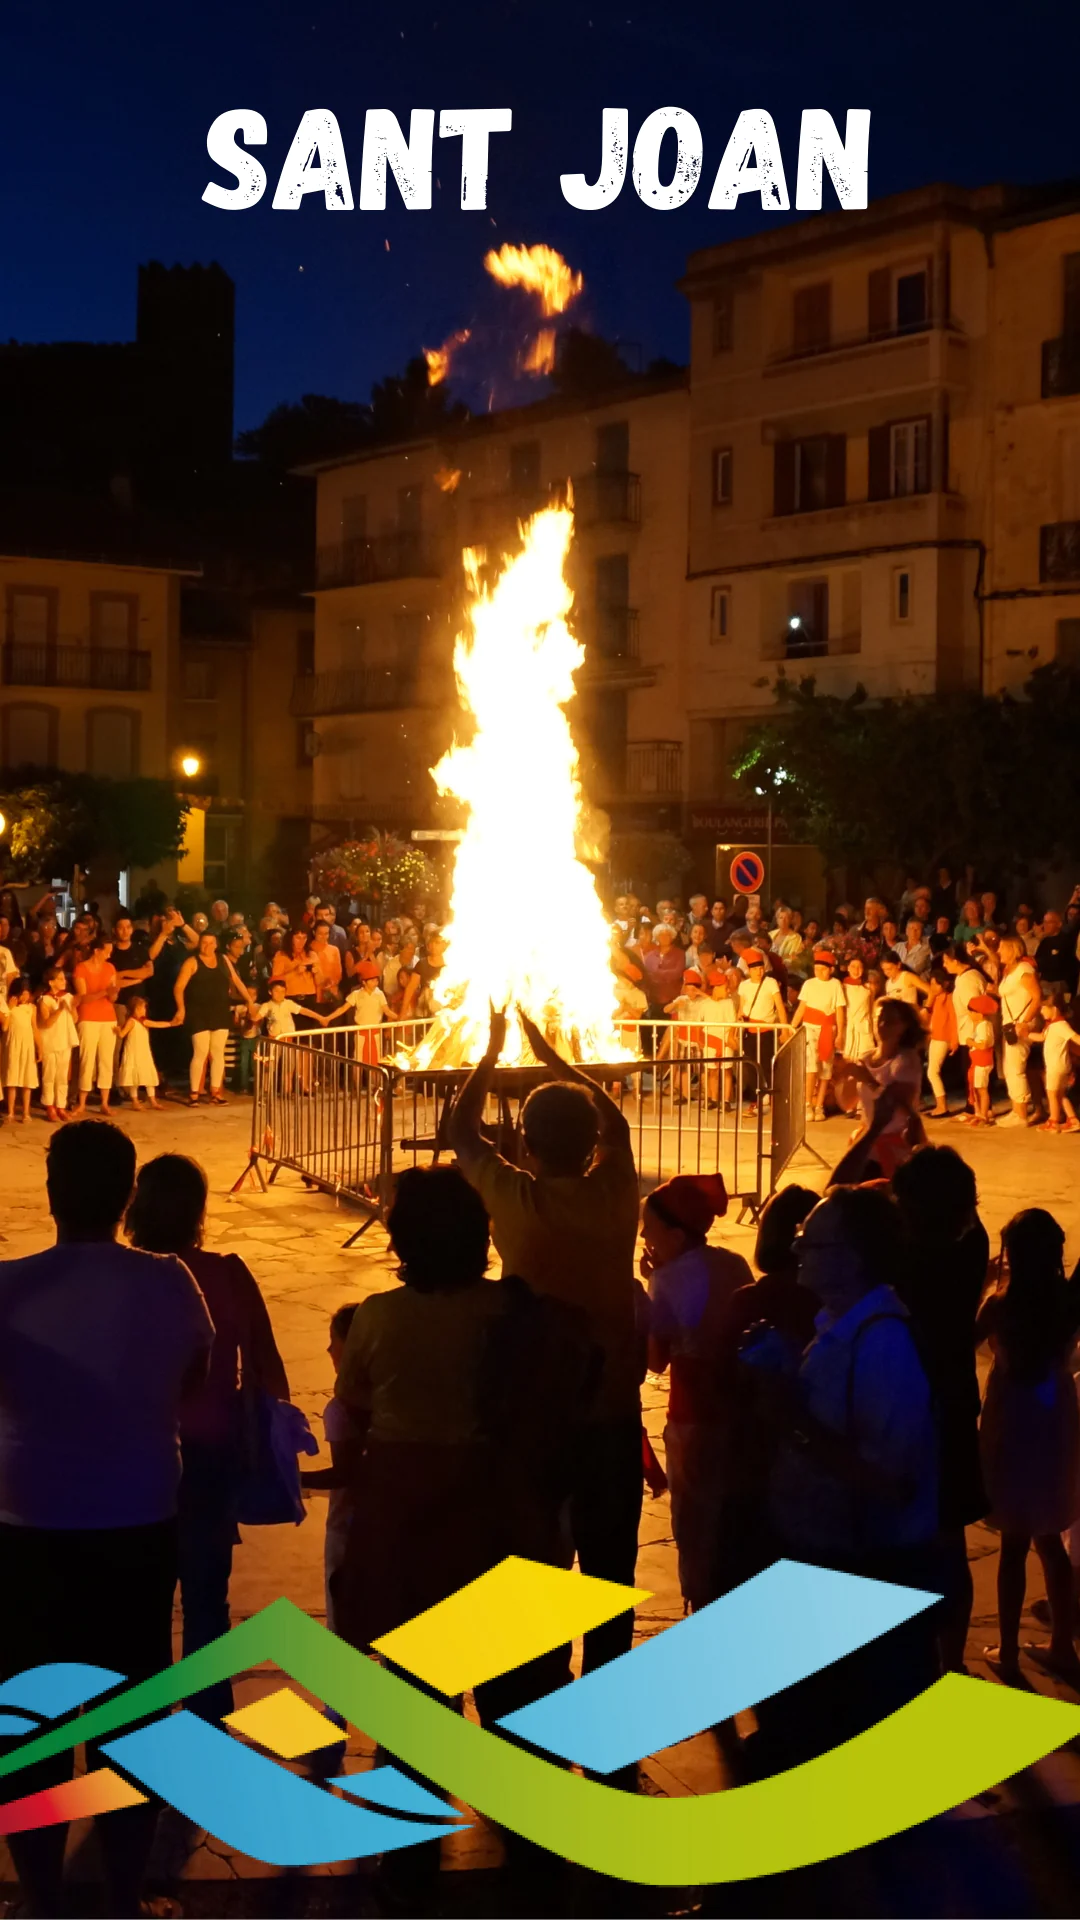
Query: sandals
x=218 y=1100
x=1049 y=1126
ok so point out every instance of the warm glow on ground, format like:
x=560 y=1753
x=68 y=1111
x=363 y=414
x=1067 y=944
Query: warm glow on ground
x=526 y=921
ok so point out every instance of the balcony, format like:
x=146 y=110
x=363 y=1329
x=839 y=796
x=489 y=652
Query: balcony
x=1060 y=367
x=73 y=663
x=654 y=769
x=353 y=690
x=495 y=516
x=359 y=563
x=607 y=499
x=1059 y=551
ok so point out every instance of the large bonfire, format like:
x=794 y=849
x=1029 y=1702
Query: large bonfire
x=526 y=927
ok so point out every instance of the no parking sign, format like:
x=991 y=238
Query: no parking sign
x=747 y=872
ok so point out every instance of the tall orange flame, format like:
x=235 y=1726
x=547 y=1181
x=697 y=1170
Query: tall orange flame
x=540 y=357
x=540 y=270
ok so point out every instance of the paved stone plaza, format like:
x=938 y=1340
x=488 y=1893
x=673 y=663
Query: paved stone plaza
x=1018 y=1852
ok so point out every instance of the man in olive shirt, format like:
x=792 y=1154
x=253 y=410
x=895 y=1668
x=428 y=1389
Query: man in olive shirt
x=566 y=1222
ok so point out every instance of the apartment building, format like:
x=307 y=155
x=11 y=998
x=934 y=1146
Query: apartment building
x=1032 y=604
x=239 y=654
x=838 y=410
x=391 y=525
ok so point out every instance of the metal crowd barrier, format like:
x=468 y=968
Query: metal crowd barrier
x=332 y=1104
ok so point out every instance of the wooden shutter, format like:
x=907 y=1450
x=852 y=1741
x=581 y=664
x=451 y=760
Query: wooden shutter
x=880 y=318
x=812 y=314
x=836 y=469
x=1071 y=314
x=784 y=477
x=944 y=450
x=877 y=487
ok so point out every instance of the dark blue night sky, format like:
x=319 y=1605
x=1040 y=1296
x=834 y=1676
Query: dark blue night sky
x=106 y=109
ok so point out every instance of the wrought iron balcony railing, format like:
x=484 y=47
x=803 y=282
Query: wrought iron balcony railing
x=48 y=663
x=353 y=690
x=393 y=556
x=607 y=499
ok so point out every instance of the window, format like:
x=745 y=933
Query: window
x=29 y=735
x=719 y=616
x=721 y=476
x=354 y=517
x=114 y=619
x=221 y=849
x=307 y=743
x=198 y=680
x=31 y=616
x=409 y=509
x=912 y=304
x=808 y=474
x=808 y=619
x=112 y=742
x=909 y=457
x=352 y=644
x=1067 y=648
x=723 y=320
x=408 y=639
x=525 y=467
x=812 y=318
x=901 y=595
x=613 y=447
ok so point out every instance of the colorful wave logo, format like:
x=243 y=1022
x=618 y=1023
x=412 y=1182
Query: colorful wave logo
x=956 y=1740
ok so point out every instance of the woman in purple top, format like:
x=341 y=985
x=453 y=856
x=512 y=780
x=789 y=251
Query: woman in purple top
x=167 y=1214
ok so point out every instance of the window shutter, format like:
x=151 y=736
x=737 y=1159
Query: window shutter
x=878 y=463
x=1071 y=315
x=836 y=469
x=811 y=317
x=784 y=477
x=943 y=454
x=944 y=306
x=880 y=301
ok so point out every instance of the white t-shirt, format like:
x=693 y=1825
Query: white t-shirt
x=762 y=1001
x=369 y=1008
x=95 y=1343
x=825 y=996
x=967 y=987
x=903 y=986
x=278 y=1015
x=1056 y=1056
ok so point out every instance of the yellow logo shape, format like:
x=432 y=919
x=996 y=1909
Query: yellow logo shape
x=283 y=1723
x=514 y=1613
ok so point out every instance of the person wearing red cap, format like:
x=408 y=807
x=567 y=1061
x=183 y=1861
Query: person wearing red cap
x=981 y=1059
x=368 y=1007
x=706 y=1035
x=690 y=1285
x=822 y=1010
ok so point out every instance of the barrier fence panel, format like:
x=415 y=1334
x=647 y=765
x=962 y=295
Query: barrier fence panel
x=323 y=1112
x=789 y=1105
x=340 y=1106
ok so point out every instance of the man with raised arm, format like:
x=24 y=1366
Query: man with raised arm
x=566 y=1222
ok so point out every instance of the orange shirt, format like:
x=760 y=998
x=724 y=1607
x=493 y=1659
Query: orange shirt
x=96 y=981
x=297 y=975
x=326 y=965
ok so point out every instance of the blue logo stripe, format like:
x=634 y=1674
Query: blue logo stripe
x=252 y=1803
x=386 y=1787
x=775 y=1629
x=58 y=1688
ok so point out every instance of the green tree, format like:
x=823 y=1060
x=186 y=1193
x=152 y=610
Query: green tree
x=949 y=777
x=402 y=407
x=57 y=821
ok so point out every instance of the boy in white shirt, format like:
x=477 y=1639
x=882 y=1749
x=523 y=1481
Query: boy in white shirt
x=705 y=1035
x=822 y=1010
x=369 y=1007
x=761 y=1006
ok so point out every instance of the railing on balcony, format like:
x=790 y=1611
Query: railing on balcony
x=654 y=767
x=494 y=515
x=607 y=499
x=613 y=638
x=1060 y=367
x=1059 y=551
x=71 y=663
x=393 y=556
x=353 y=690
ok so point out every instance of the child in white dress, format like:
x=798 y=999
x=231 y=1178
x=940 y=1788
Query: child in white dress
x=18 y=1019
x=58 y=1036
x=137 y=1067
x=859 y=999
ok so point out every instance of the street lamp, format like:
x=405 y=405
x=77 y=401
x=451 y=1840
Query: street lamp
x=190 y=765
